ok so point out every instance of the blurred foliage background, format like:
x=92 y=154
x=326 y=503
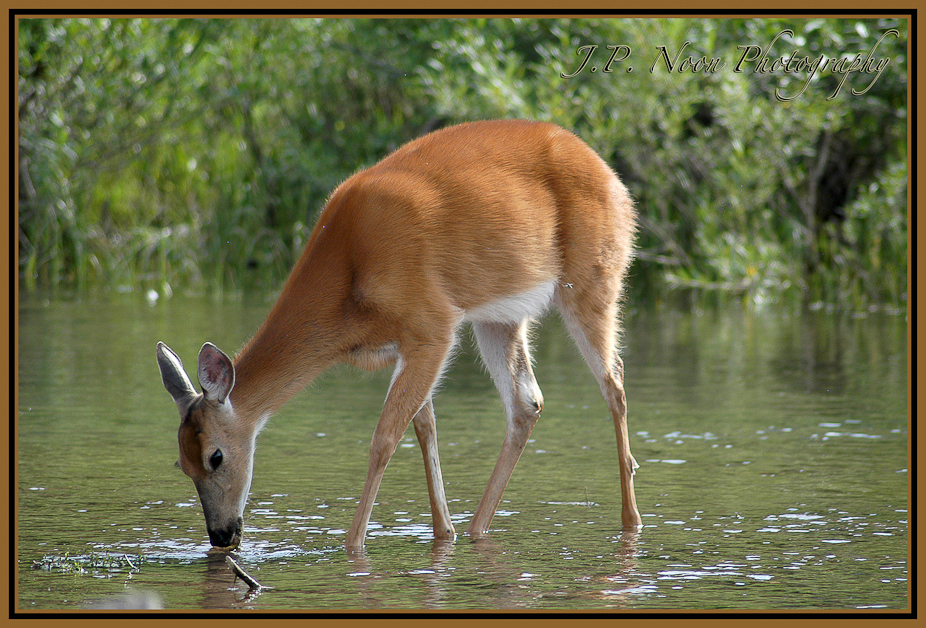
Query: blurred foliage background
x=195 y=154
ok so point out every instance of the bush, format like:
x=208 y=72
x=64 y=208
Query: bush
x=197 y=153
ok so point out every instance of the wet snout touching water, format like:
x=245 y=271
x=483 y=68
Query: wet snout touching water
x=488 y=224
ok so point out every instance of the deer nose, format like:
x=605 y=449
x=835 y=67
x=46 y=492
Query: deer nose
x=228 y=537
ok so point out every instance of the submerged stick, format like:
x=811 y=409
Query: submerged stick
x=126 y=556
x=241 y=573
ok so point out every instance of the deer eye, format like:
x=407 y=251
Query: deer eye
x=215 y=459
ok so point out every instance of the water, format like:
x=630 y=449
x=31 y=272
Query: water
x=773 y=451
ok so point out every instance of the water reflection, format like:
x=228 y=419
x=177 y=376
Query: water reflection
x=432 y=577
x=220 y=587
x=773 y=453
x=620 y=578
x=504 y=583
x=494 y=576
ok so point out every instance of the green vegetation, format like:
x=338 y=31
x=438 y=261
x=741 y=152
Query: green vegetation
x=195 y=153
x=94 y=563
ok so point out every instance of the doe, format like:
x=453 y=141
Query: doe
x=485 y=222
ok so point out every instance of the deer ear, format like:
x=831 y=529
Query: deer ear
x=216 y=373
x=174 y=377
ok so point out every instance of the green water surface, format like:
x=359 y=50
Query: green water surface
x=773 y=449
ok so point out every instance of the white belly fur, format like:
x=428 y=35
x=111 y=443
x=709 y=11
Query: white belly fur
x=515 y=308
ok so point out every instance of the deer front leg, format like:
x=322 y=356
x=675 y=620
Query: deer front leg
x=426 y=430
x=410 y=391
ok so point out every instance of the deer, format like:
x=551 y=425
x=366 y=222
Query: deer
x=486 y=223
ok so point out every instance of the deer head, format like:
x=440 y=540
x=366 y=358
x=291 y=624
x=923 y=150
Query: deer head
x=216 y=447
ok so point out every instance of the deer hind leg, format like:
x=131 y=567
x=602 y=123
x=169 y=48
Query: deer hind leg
x=416 y=373
x=504 y=350
x=591 y=318
x=426 y=430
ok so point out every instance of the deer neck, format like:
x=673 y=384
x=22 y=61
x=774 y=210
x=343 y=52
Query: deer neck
x=300 y=338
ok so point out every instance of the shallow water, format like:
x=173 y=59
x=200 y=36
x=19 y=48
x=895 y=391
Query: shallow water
x=773 y=450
